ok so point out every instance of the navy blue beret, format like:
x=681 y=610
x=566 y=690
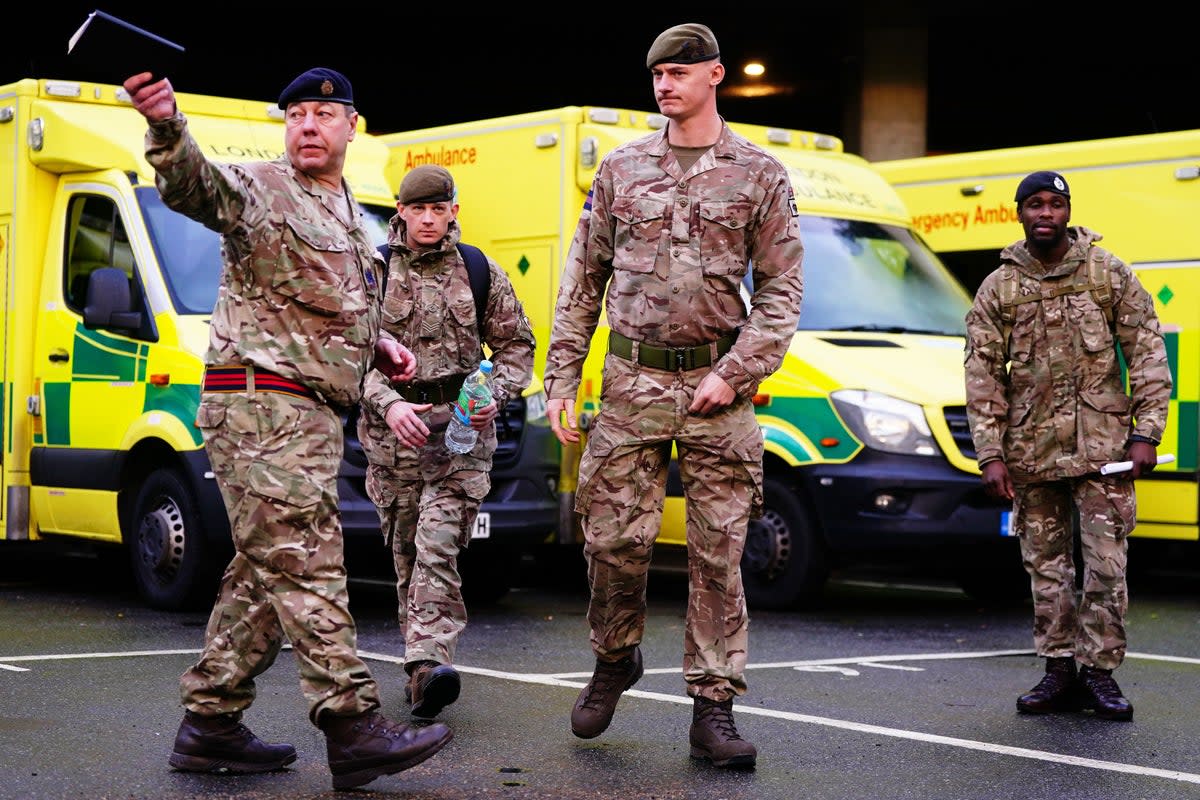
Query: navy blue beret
x=1044 y=181
x=318 y=83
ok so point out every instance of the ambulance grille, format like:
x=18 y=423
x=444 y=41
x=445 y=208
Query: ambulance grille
x=960 y=429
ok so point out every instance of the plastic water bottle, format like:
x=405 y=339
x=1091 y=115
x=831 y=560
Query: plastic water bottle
x=476 y=393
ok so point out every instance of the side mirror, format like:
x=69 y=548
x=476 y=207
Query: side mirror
x=109 y=302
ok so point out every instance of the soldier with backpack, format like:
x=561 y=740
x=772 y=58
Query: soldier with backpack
x=1048 y=407
x=444 y=301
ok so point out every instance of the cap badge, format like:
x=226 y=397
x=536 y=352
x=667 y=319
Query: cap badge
x=1058 y=184
x=326 y=87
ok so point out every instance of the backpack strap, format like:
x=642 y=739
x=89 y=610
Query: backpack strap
x=1099 y=283
x=1007 y=291
x=477 y=272
x=481 y=280
x=1100 y=278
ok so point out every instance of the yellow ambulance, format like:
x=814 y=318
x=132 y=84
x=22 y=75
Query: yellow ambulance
x=867 y=447
x=108 y=296
x=1142 y=193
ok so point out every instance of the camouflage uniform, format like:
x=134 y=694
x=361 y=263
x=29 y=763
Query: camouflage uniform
x=1055 y=416
x=428 y=498
x=298 y=297
x=672 y=249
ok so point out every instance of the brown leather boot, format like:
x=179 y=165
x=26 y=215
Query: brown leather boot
x=1102 y=694
x=594 y=708
x=1057 y=691
x=223 y=744
x=432 y=687
x=364 y=747
x=715 y=737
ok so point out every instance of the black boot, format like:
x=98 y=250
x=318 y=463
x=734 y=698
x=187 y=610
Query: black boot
x=1102 y=694
x=1058 y=690
x=223 y=744
x=597 y=702
x=431 y=688
x=366 y=746
x=714 y=736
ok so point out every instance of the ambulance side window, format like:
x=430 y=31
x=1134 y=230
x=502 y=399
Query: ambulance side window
x=96 y=238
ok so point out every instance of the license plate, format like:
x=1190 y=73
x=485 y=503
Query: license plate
x=1006 y=524
x=483 y=526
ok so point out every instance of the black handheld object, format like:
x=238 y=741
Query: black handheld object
x=109 y=50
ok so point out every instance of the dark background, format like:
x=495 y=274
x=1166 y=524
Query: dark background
x=1033 y=74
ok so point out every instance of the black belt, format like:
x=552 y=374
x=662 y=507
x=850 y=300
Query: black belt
x=670 y=358
x=237 y=377
x=445 y=391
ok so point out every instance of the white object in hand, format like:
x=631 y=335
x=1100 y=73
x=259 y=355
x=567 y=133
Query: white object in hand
x=1125 y=466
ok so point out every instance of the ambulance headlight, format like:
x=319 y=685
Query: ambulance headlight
x=885 y=423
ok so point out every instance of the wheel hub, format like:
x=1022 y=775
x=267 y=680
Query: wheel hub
x=160 y=539
x=768 y=546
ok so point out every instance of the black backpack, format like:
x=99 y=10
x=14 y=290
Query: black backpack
x=477 y=272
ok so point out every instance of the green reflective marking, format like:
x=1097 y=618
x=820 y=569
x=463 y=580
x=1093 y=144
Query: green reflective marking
x=56 y=416
x=1187 y=437
x=180 y=401
x=99 y=357
x=816 y=419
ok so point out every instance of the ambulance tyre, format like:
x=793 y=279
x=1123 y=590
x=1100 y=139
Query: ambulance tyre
x=783 y=564
x=170 y=558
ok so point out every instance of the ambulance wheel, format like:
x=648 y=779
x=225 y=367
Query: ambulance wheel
x=167 y=549
x=783 y=564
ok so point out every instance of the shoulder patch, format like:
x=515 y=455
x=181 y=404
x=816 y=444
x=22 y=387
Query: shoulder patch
x=587 y=203
x=792 y=202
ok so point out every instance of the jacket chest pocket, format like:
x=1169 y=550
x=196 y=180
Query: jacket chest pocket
x=465 y=327
x=723 y=225
x=397 y=308
x=637 y=232
x=1095 y=335
x=312 y=269
x=1024 y=332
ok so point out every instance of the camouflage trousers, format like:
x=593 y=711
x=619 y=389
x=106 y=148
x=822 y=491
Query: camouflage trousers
x=427 y=514
x=276 y=458
x=1090 y=627
x=622 y=486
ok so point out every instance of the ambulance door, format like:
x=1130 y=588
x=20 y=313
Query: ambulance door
x=93 y=377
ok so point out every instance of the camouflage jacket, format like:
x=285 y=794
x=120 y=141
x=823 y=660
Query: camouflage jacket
x=299 y=290
x=428 y=307
x=1060 y=408
x=672 y=249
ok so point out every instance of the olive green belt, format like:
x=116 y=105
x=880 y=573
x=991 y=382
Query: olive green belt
x=670 y=358
x=444 y=391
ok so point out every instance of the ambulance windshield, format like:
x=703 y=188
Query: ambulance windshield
x=190 y=254
x=872 y=277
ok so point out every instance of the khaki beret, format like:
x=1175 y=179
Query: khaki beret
x=690 y=43
x=319 y=83
x=427 y=183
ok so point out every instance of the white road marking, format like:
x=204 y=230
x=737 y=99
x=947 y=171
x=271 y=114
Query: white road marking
x=576 y=680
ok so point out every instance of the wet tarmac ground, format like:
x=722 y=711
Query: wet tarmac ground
x=894 y=688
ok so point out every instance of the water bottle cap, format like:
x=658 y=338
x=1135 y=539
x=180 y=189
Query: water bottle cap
x=485 y=366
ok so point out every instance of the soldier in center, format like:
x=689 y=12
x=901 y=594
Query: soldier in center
x=427 y=497
x=672 y=225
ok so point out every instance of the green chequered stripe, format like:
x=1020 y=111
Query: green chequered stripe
x=816 y=419
x=97 y=356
